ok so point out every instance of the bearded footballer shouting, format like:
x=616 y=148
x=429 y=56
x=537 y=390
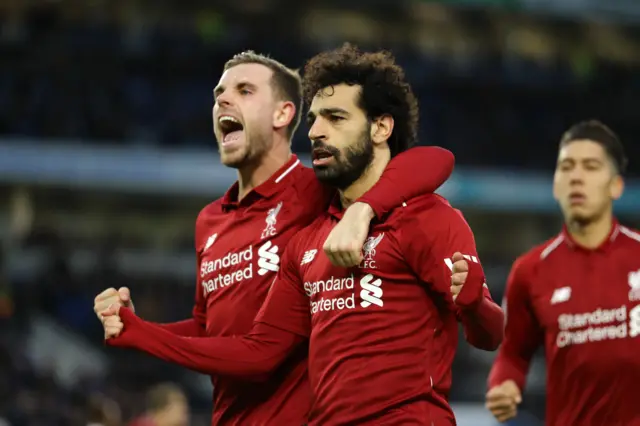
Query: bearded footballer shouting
x=240 y=237
x=381 y=335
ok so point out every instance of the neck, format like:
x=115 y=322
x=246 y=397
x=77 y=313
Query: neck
x=369 y=178
x=593 y=234
x=259 y=171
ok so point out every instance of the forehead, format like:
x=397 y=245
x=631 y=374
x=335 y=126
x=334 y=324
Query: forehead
x=582 y=149
x=256 y=74
x=341 y=96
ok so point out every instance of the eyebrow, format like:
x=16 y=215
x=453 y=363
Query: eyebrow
x=241 y=85
x=327 y=111
x=582 y=160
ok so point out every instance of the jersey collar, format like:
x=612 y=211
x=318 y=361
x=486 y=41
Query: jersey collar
x=606 y=244
x=265 y=190
x=335 y=208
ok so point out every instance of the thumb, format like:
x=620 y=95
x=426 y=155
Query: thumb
x=125 y=295
x=457 y=256
x=517 y=398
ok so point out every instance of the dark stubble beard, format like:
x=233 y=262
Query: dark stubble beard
x=257 y=145
x=346 y=168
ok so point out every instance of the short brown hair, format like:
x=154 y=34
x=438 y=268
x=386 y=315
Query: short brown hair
x=285 y=82
x=601 y=134
x=384 y=88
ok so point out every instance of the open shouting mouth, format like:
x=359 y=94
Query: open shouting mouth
x=232 y=130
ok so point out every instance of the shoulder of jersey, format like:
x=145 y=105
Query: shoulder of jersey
x=630 y=235
x=306 y=172
x=304 y=179
x=538 y=253
x=430 y=204
x=211 y=209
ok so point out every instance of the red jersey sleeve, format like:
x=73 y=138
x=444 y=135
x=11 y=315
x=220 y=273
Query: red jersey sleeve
x=287 y=306
x=282 y=323
x=417 y=171
x=523 y=334
x=256 y=354
x=432 y=234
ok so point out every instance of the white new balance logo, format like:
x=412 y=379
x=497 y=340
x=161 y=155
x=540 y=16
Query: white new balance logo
x=210 y=241
x=561 y=295
x=268 y=258
x=308 y=256
x=371 y=293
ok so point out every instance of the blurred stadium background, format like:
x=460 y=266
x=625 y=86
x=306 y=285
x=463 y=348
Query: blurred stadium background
x=107 y=155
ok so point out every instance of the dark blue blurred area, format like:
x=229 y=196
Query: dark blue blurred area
x=496 y=87
x=116 y=81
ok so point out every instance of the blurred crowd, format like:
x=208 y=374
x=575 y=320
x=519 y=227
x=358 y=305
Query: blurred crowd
x=32 y=397
x=33 y=393
x=498 y=89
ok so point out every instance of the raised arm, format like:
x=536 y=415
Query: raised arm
x=432 y=238
x=417 y=171
x=259 y=352
x=414 y=172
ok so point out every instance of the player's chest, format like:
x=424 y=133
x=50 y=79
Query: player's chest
x=381 y=279
x=244 y=245
x=596 y=298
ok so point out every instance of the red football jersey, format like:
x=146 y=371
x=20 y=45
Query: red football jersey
x=382 y=335
x=584 y=306
x=239 y=245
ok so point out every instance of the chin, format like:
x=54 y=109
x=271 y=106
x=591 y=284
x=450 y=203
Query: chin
x=235 y=159
x=580 y=217
x=328 y=176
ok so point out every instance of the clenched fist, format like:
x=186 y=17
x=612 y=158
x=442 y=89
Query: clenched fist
x=503 y=400
x=459 y=273
x=109 y=297
x=111 y=322
x=344 y=244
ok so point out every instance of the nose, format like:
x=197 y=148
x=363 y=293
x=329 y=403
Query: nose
x=223 y=99
x=317 y=131
x=577 y=176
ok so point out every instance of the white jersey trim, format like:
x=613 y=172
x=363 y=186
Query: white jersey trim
x=286 y=172
x=629 y=233
x=551 y=247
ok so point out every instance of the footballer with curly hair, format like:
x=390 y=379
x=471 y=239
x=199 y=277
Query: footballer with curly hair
x=381 y=335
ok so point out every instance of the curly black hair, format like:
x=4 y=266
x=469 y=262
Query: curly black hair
x=384 y=88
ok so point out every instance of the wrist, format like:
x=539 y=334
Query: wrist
x=470 y=306
x=363 y=210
